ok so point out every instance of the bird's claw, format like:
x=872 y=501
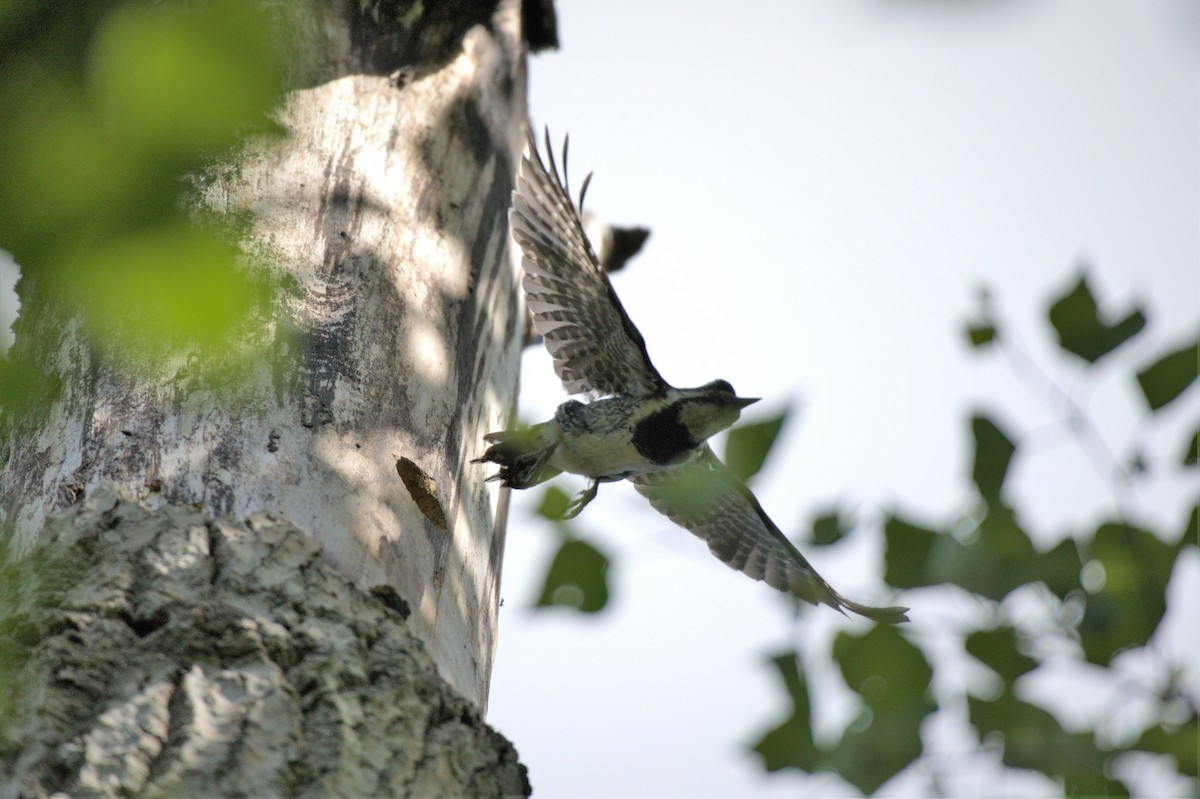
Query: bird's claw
x=581 y=500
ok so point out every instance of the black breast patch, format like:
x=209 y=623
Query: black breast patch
x=661 y=437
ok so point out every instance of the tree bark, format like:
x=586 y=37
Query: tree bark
x=381 y=217
x=175 y=655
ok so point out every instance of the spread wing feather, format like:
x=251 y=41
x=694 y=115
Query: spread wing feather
x=704 y=497
x=596 y=348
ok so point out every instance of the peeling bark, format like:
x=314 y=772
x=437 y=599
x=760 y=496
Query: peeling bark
x=178 y=655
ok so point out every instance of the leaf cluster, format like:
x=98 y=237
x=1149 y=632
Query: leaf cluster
x=108 y=113
x=1106 y=588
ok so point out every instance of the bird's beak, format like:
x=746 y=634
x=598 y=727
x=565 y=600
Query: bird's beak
x=742 y=402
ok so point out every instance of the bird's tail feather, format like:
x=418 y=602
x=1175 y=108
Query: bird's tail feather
x=891 y=615
x=523 y=456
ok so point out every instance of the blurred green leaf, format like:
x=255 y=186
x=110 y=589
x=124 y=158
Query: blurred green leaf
x=1058 y=568
x=876 y=748
x=997 y=559
x=990 y=552
x=577 y=578
x=980 y=335
x=1000 y=535
x=1076 y=319
x=892 y=677
x=1191 y=530
x=1182 y=742
x=790 y=745
x=993 y=453
x=168 y=285
x=946 y=560
x=23 y=388
x=1033 y=739
x=1127 y=610
x=981 y=330
x=997 y=649
x=830 y=527
x=688 y=492
x=62 y=180
x=89 y=155
x=184 y=79
x=1004 y=546
x=1191 y=455
x=885 y=669
x=103 y=108
x=747 y=445
x=1169 y=376
x=554 y=504
x=907 y=563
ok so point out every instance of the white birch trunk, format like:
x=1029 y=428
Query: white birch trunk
x=383 y=216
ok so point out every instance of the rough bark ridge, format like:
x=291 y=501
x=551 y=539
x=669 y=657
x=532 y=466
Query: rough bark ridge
x=381 y=220
x=182 y=656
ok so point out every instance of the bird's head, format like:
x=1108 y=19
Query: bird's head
x=709 y=409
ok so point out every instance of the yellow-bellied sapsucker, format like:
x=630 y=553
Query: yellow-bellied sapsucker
x=638 y=427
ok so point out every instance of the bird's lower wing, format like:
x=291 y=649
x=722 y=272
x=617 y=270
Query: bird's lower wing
x=704 y=497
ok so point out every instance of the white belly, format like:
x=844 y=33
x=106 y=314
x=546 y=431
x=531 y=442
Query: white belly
x=599 y=456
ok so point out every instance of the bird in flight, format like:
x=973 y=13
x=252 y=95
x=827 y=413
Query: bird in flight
x=636 y=426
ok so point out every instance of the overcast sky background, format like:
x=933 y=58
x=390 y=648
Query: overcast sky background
x=828 y=184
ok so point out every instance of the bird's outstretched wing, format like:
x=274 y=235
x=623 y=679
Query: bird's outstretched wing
x=705 y=497
x=595 y=347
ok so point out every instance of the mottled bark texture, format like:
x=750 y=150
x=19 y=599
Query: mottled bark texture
x=381 y=220
x=176 y=655
x=188 y=654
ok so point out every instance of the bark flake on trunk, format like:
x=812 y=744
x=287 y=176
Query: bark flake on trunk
x=184 y=656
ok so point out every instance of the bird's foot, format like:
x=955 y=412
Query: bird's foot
x=580 y=500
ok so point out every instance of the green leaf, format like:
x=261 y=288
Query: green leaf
x=690 y=491
x=187 y=79
x=577 y=578
x=889 y=673
x=1127 y=610
x=997 y=649
x=908 y=561
x=1058 y=569
x=830 y=527
x=980 y=335
x=993 y=454
x=168 y=285
x=790 y=745
x=24 y=388
x=1191 y=530
x=892 y=677
x=981 y=330
x=1169 y=376
x=747 y=445
x=554 y=504
x=1191 y=456
x=1076 y=319
x=62 y=173
x=997 y=559
x=97 y=135
x=1001 y=536
x=1182 y=742
x=1033 y=739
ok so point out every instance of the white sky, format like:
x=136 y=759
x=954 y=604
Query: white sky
x=828 y=182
